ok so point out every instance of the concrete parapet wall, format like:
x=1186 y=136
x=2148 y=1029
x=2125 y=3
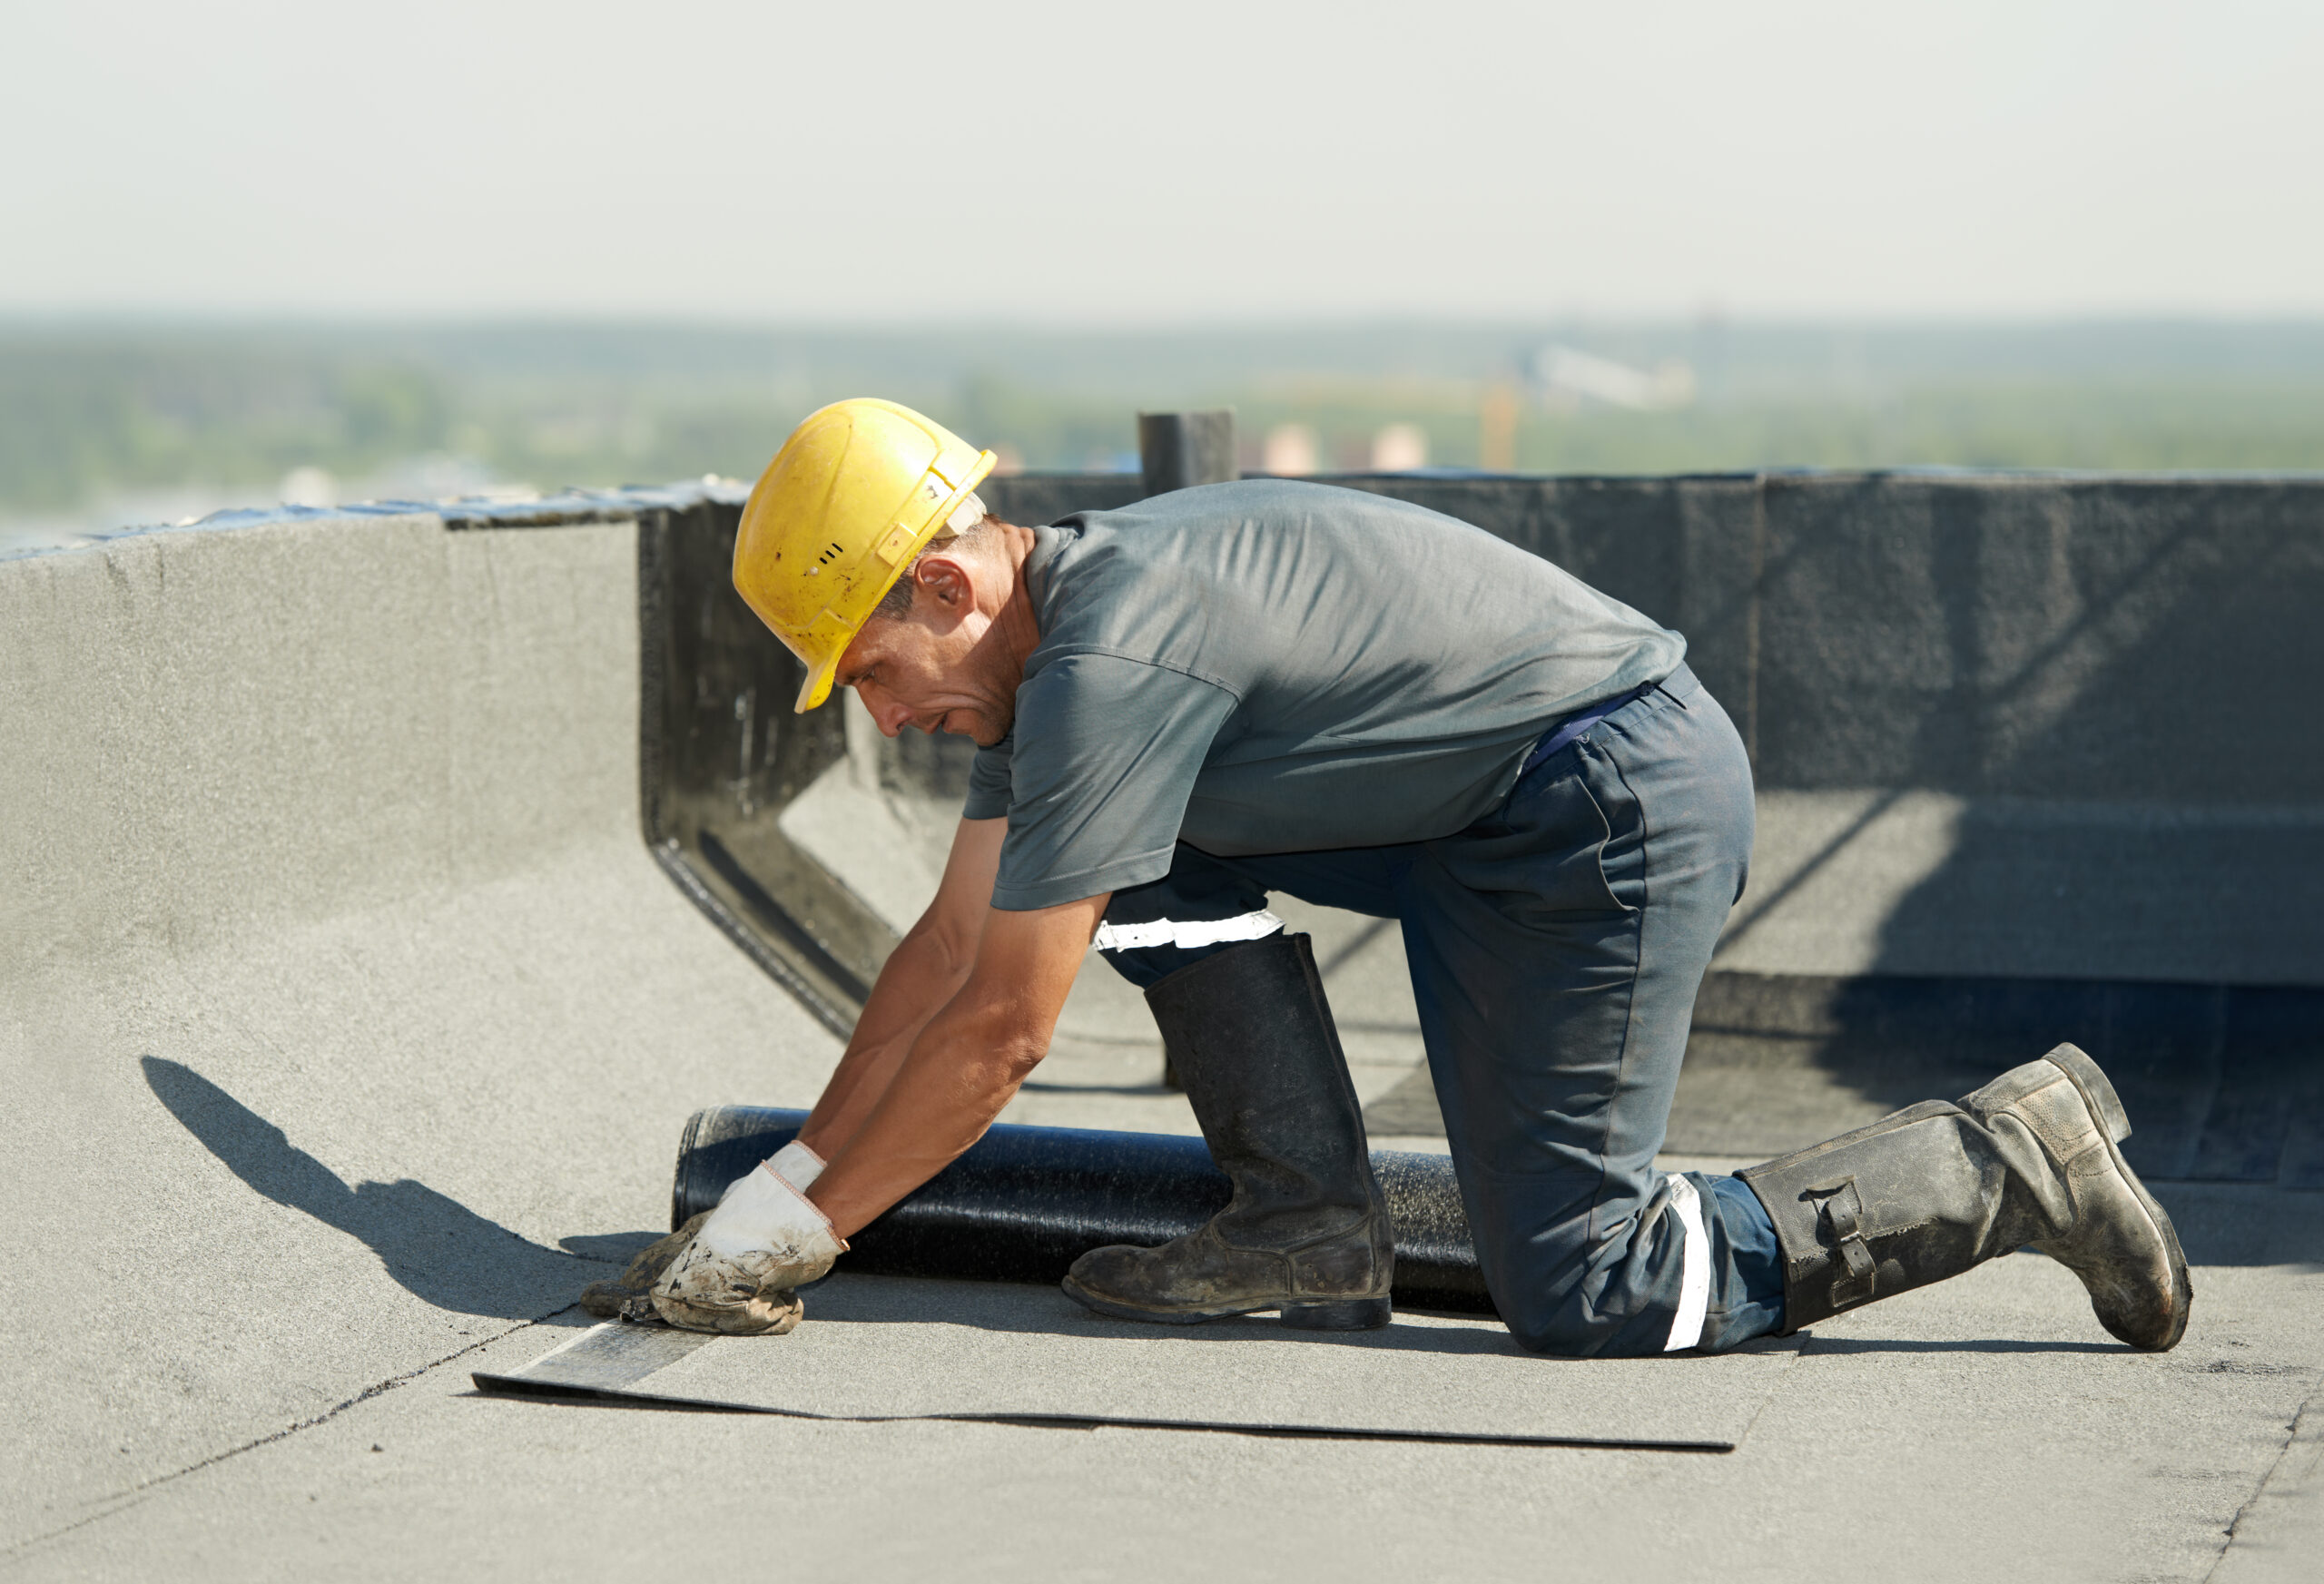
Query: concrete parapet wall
x=221 y=732
x=346 y=1022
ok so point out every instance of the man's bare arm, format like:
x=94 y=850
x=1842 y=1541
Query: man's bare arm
x=927 y=966
x=965 y=1064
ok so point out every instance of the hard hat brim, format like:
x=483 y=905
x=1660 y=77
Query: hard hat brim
x=818 y=685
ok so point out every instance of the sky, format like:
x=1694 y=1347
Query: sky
x=1084 y=164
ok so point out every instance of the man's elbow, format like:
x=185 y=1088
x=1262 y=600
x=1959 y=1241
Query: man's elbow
x=1017 y=1048
x=944 y=942
x=1007 y=1039
x=1019 y=1057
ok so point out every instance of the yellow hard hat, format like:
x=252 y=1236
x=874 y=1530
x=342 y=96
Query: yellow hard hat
x=856 y=492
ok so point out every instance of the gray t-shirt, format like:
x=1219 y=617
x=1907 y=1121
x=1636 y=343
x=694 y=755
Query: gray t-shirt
x=1269 y=666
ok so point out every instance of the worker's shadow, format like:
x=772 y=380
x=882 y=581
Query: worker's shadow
x=437 y=1248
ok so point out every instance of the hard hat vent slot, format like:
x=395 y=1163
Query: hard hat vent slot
x=830 y=555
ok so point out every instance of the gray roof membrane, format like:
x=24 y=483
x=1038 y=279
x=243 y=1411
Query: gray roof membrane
x=885 y=1347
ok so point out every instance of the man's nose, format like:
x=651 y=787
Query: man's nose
x=889 y=715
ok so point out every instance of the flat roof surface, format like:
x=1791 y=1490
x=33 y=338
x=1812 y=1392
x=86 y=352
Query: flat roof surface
x=348 y=1029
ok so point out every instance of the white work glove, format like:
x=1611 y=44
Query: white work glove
x=794 y=1163
x=736 y=1276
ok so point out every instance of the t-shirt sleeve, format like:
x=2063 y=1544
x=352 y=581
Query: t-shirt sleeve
x=989 y=783
x=1106 y=753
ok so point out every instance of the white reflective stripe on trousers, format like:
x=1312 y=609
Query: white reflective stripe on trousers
x=1189 y=935
x=1694 y=1281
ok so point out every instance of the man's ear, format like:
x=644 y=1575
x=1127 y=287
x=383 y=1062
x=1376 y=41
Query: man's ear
x=945 y=580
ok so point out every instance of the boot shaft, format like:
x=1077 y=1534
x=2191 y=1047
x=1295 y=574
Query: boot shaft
x=1260 y=1059
x=1912 y=1199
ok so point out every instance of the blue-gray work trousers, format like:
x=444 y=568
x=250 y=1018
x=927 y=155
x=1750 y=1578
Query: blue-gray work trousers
x=1556 y=947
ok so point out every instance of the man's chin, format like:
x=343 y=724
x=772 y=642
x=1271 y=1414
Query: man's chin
x=984 y=734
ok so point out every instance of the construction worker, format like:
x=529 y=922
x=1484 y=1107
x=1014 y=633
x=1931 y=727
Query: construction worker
x=1278 y=686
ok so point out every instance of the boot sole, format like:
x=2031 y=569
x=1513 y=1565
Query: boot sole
x=1325 y=1314
x=2098 y=1094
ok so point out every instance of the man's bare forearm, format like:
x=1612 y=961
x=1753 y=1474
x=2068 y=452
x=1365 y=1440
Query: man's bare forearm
x=923 y=972
x=964 y=1065
x=927 y=967
x=957 y=1078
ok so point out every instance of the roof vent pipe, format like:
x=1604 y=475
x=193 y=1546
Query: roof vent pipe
x=1178 y=450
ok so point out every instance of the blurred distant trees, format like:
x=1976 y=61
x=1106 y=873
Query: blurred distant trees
x=79 y=415
x=88 y=409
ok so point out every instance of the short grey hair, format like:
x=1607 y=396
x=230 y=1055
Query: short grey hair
x=967 y=518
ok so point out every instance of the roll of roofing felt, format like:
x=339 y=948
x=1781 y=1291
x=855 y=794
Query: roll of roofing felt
x=1026 y=1202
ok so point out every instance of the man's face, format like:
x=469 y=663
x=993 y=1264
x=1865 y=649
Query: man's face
x=934 y=669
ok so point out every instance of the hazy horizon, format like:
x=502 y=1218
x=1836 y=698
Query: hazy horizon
x=109 y=421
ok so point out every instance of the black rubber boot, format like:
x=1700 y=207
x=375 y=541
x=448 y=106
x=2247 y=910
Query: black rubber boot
x=1927 y=1193
x=1307 y=1232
